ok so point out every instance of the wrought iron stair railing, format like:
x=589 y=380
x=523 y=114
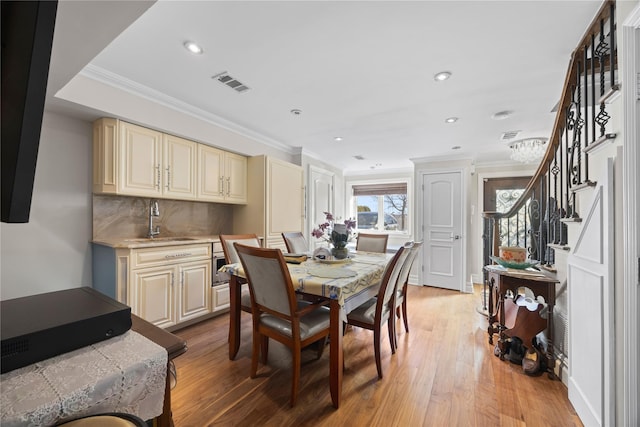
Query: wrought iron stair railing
x=537 y=219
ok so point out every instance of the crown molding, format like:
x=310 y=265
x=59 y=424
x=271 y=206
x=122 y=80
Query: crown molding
x=119 y=82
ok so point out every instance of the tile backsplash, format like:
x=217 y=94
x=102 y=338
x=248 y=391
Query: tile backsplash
x=128 y=217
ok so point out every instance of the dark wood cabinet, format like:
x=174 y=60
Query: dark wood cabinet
x=505 y=280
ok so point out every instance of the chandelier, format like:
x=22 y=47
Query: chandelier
x=528 y=150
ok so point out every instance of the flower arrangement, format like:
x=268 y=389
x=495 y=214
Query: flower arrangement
x=336 y=234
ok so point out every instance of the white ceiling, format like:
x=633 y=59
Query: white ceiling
x=360 y=70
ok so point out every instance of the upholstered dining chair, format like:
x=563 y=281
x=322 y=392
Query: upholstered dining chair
x=372 y=242
x=377 y=311
x=295 y=242
x=403 y=282
x=277 y=313
x=231 y=257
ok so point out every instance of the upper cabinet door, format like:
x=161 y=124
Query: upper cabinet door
x=285 y=199
x=210 y=174
x=179 y=167
x=140 y=160
x=235 y=185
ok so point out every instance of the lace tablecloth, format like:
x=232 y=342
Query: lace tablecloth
x=362 y=282
x=126 y=373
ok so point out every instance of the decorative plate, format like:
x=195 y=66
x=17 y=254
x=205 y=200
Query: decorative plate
x=512 y=264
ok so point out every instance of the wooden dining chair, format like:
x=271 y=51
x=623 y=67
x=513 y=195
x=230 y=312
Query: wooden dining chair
x=401 y=292
x=231 y=257
x=277 y=313
x=372 y=242
x=380 y=309
x=295 y=242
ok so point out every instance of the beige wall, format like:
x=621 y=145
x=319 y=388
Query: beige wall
x=52 y=252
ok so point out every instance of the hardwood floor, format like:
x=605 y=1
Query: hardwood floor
x=444 y=373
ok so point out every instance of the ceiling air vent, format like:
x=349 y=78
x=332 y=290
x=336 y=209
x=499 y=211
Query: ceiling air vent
x=509 y=135
x=232 y=82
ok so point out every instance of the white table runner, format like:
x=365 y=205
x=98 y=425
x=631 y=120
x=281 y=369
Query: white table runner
x=126 y=373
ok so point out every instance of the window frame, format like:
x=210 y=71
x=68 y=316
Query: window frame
x=353 y=208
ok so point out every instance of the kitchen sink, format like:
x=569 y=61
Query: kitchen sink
x=161 y=239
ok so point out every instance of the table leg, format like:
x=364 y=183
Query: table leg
x=491 y=318
x=502 y=337
x=336 y=364
x=234 y=316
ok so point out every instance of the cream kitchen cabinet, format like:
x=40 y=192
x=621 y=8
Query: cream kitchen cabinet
x=275 y=203
x=133 y=160
x=165 y=285
x=222 y=176
x=168 y=295
x=179 y=159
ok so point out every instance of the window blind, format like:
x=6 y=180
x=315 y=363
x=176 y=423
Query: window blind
x=380 y=189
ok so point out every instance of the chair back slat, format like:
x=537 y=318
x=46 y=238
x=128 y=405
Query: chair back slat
x=389 y=282
x=406 y=268
x=269 y=279
x=295 y=242
x=227 y=241
x=372 y=242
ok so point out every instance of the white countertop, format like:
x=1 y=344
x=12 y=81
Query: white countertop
x=144 y=242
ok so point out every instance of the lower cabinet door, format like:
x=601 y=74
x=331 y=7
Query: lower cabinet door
x=194 y=297
x=220 y=297
x=153 y=289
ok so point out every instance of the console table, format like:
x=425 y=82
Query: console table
x=175 y=346
x=501 y=280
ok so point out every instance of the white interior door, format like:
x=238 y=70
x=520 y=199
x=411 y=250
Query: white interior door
x=591 y=308
x=321 y=197
x=443 y=261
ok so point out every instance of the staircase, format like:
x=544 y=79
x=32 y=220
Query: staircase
x=538 y=220
x=547 y=213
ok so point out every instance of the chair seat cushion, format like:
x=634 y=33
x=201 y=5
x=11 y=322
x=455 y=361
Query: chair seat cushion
x=310 y=324
x=366 y=312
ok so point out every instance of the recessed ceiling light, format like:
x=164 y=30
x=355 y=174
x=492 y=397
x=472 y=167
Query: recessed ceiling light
x=451 y=120
x=296 y=112
x=338 y=138
x=193 y=47
x=501 y=115
x=442 y=76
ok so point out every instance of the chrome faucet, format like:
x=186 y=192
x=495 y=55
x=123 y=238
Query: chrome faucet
x=154 y=210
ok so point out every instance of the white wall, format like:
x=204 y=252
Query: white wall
x=51 y=252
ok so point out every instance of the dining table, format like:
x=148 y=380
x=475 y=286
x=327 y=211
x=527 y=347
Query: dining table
x=345 y=283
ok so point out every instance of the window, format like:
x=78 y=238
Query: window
x=381 y=207
x=499 y=195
